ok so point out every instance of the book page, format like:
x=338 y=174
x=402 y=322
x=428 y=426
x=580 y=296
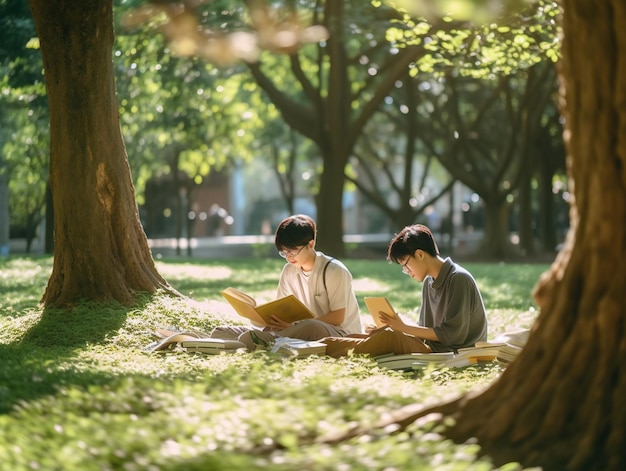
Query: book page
x=376 y=304
x=243 y=307
x=213 y=343
x=289 y=309
x=241 y=295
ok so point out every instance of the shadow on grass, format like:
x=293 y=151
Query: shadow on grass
x=85 y=324
x=29 y=372
x=42 y=361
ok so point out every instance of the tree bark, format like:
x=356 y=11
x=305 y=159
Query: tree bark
x=496 y=243
x=336 y=126
x=547 y=212
x=101 y=251
x=525 y=224
x=561 y=404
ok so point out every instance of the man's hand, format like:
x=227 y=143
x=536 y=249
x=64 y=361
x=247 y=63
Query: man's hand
x=394 y=322
x=369 y=328
x=372 y=329
x=276 y=323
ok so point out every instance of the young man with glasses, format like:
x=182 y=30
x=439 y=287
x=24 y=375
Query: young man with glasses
x=322 y=283
x=452 y=314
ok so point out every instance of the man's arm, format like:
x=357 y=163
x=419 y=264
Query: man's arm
x=335 y=317
x=396 y=323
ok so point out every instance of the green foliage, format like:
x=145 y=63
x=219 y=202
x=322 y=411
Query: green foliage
x=78 y=393
x=26 y=155
x=490 y=46
x=24 y=133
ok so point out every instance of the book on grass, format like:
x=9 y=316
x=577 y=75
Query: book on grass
x=212 y=346
x=516 y=338
x=289 y=308
x=508 y=353
x=509 y=344
x=472 y=355
x=378 y=304
x=297 y=347
x=409 y=361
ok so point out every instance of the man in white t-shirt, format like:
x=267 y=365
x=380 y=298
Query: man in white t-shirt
x=322 y=283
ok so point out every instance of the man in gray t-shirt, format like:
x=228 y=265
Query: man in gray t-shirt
x=452 y=314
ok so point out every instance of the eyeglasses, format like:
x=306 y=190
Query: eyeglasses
x=405 y=269
x=290 y=254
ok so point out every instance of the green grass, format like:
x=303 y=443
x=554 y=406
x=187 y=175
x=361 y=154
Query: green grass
x=77 y=392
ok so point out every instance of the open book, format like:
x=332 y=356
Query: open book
x=515 y=338
x=472 y=355
x=412 y=361
x=509 y=344
x=211 y=346
x=298 y=348
x=289 y=308
x=375 y=305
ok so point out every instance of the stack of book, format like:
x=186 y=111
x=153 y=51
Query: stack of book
x=504 y=348
x=298 y=348
x=472 y=355
x=509 y=344
x=212 y=346
x=410 y=361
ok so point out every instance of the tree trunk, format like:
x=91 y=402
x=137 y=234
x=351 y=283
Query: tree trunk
x=101 y=251
x=496 y=244
x=49 y=235
x=4 y=212
x=525 y=218
x=335 y=152
x=547 y=211
x=562 y=403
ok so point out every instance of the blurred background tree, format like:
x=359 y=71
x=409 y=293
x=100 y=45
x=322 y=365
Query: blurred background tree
x=432 y=121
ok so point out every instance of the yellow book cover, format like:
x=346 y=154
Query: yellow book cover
x=375 y=305
x=289 y=308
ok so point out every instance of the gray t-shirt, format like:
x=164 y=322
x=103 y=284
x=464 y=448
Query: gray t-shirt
x=453 y=306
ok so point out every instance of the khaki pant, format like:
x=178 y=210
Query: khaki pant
x=379 y=343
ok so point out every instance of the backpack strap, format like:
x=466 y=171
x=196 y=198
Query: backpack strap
x=324 y=272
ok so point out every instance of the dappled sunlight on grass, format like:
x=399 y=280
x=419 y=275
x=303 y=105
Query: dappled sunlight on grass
x=507 y=320
x=173 y=271
x=507 y=285
x=80 y=383
x=29 y=269
x=369 y=285
x=14 y=328
x=22 y=283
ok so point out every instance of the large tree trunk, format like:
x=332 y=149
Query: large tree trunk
x=101 y=251
x=562 y=404
x=335 y=150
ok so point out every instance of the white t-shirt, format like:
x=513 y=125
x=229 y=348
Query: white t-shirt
x=308 y=287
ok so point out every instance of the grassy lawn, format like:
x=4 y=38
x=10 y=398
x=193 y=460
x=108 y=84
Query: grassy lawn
x=77 y=391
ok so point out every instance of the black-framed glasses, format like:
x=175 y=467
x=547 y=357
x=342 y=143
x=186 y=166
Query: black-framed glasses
x=405 y=269
x=290 y=253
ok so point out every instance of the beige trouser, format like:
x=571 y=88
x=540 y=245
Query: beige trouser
x=379 y=343
x=310 y=329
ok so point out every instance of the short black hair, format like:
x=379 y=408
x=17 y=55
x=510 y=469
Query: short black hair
x=410 y=239
x=295 y=231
